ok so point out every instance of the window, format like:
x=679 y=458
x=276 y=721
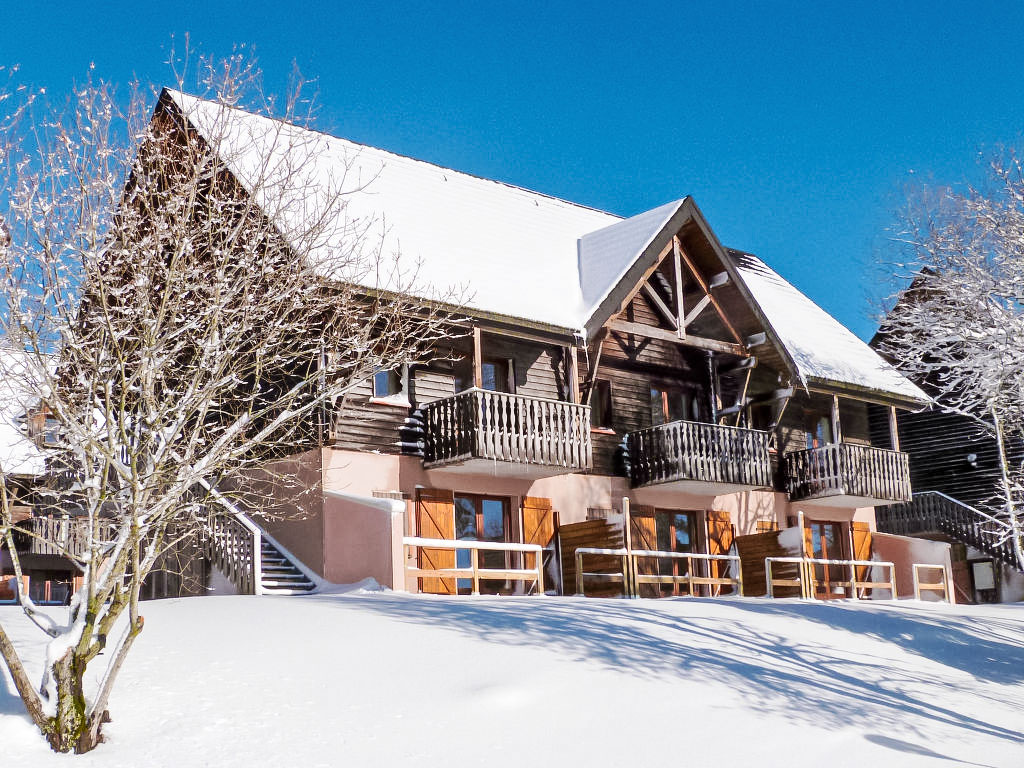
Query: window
x=389 y=385
x=601 y=405
x=670 y=404
x=675 y=532
x=819 y=432
x=483 y=518
x=496 y=375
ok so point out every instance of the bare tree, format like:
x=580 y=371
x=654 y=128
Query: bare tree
x=187 y=294
x=959 y=328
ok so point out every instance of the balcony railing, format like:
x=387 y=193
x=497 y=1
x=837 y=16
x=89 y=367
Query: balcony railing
x=689 y=450
x=63 y=535
x=479 y=424
x=843 y=469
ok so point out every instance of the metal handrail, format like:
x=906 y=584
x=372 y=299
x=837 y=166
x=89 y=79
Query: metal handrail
x=805 y=578
x=475 y=572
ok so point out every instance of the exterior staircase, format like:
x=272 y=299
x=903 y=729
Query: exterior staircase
x=250 y=558
x=935 y=512
x=279 y=574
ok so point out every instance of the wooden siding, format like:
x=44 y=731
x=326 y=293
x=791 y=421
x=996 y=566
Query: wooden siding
x=362 y=425
x=590 y=533
x=938 y=444
x=430 y=384
x=753 y=550
x=359 y=424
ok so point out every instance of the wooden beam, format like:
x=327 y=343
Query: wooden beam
x=707 y=290
x=643 y=279
x=692 y=314
x=650 y=332
x=677 y=250
x=894 y=432
x=574 y=373
x=524 y=336
x=837 y=430
x=592 y=379
x=660 y=305
x=478 y=360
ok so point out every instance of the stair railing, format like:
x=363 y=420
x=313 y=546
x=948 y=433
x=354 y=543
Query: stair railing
x=236 y=545
x=935 y=511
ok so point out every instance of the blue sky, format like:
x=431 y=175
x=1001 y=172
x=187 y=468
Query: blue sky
x=796 y=127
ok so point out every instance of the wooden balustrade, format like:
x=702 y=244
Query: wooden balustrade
x=844 y=469
x=689 y=450
x=479 y=424
x=234 y=549
x=63 y=535
x=934 y=512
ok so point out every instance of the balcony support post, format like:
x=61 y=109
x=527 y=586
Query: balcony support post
x=837 y=428
x=478 y=361
x=894 y=432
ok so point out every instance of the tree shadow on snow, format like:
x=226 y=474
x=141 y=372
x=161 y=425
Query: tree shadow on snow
x=779 y=674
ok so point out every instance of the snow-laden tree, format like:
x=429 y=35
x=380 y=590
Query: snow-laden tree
x=959 y=328
x=187 y=305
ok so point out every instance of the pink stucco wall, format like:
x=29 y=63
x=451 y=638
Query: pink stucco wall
x=363 y=538
x=904 y=551
x=345 y=540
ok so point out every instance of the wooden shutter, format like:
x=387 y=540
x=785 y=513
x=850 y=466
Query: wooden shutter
x=644 y=535
x=435 y=519
x=538 y=525
x=720 y=538
x=808 y=541
x=861 y=547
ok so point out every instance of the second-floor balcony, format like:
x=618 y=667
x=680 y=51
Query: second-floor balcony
x=694 y=457
x=60 y=535
x=500 y=433
x=843 y=474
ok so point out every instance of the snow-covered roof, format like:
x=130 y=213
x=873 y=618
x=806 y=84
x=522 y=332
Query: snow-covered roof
x=512 y=252
x=822 y=349
x=601 y=254
x=18 y=454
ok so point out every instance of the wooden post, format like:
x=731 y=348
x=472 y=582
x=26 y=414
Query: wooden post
x=894 y=432
x=627 y=535
x=680 y=309
x=806 y=584
x=474 y=554
x=574 y=374
x=837 y=430
x=478 y=362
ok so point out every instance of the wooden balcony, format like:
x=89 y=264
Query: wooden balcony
x=59 y=535
x=699 y=458
x=512 y=435
x=848 y=475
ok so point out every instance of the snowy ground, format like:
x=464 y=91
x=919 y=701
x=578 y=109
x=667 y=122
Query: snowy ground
x=384 y=679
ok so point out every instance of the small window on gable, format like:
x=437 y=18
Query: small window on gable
x=601 y=405
x=390 y=384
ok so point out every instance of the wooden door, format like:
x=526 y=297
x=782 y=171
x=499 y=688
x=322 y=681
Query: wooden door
x=861 y=548
x=721 y=535
x=538 y=525
x=643 y=533
x=826 y=543
x=435 y=519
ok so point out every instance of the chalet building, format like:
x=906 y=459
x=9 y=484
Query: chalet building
x=619 y=382
x=47 y=576
x=954 y=470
